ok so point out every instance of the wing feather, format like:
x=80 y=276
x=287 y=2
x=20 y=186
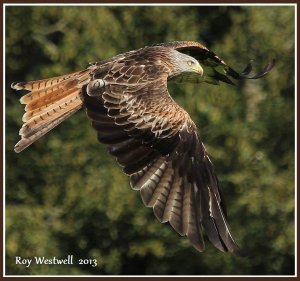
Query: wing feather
x=156 y=143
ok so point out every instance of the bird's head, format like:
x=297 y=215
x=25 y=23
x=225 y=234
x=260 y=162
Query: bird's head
x=185 y=64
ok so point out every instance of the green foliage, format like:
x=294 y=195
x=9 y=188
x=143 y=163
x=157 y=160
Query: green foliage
x=66 y=195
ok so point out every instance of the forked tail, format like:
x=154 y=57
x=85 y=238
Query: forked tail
x=48 y=103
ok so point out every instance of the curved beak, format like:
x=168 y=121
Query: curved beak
x=198 y=69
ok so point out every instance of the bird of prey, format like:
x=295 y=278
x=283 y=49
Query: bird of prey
x=153 y=138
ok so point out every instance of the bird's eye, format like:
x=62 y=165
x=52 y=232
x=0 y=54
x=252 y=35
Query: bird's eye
x=190 y=63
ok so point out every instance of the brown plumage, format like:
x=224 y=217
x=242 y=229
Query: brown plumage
x=153 y=139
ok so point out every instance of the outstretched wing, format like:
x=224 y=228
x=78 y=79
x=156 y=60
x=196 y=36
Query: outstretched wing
x=158 y=146
x=215 y=69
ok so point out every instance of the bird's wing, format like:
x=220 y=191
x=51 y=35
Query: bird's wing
x=215 y=69
x=158 y=146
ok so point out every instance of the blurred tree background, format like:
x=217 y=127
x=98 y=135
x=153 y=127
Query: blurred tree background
x=66 y=195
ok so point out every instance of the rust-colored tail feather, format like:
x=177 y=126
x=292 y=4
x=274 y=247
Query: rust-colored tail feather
x=48 y=103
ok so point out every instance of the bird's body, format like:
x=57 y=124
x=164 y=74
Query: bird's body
x=152 y=138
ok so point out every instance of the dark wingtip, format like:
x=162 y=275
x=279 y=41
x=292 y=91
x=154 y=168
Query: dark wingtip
x=248 y=68
x=268 y=67
x=266 y=70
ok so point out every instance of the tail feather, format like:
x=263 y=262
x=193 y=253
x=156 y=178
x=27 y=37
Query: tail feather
x=41 y=85
x=49 y=106
x=42 y=120
x=48 y=99
x=49 y=103
x=50 y=93
x=25 y=142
